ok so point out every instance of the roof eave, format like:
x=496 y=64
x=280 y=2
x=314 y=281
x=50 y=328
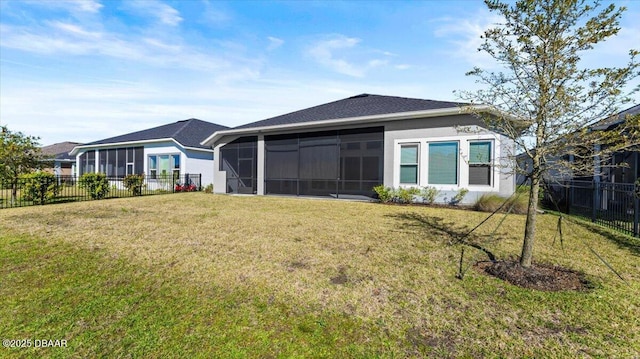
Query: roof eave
x=449 y=111
x=76 y=149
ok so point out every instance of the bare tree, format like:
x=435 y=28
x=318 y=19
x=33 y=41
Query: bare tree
x=550 y=98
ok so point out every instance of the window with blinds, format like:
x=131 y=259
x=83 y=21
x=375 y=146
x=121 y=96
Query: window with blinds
x=443 y=163
x=409 y=164
x=480 y=163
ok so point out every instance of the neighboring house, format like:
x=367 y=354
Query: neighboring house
x=624 y=166
x=170 y=150
x=345 y=148
x=60 y=162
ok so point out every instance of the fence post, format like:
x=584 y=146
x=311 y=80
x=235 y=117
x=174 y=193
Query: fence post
x=636 y=216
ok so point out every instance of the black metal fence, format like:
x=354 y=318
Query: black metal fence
x=60 y=189
x=614 y=205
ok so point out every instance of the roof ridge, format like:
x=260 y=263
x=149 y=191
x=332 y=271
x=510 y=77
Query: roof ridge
x=187 y=122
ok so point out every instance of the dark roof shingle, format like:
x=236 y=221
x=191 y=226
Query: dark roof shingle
x=356 y=106
x=188 y=133
x=60 y=151
x=613 y=121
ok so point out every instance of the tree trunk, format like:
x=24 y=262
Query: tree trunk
x=530 y=226
x=14 y=192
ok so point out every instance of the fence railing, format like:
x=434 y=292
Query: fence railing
x=61 y=189
x=614 y=205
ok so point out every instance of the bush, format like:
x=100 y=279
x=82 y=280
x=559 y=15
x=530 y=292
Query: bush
x=134 y=183
x=490 y=202
x=459 y=196
x=429 y=194
x=209 y=188
x=385 y=194
x=39 y=187
x=405 y=195
x=96 y=184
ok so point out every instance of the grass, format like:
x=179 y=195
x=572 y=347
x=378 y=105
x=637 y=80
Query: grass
x=197 y=275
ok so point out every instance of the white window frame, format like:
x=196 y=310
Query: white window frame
x=491 y=162
x=172 y=170
x=417 y=164
x=463 y=161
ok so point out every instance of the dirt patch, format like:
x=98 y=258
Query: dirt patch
x=341 y=278
x=539 y=276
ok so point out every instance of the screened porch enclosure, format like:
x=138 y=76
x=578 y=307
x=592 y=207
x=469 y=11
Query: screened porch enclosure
x=328 y=163
x=239 y=160
x=114 y=162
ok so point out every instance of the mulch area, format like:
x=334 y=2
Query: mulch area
x=539 y=276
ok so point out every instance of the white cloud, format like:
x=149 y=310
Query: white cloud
x=464 y=34
x=91 y=6
x=274 y=43
x=162 y=12
x=213 y=15
x=75 y=30
x=333 y=52
x=73 y=6
x=59 y=38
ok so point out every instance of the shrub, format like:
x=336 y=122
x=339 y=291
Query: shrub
x=490 y=202
x=459 y=196
x=429 y=194
x=405 y=195
x=134 y=183
x=96 y=184
x=39 y=187
x=209 y=188
x=385 y=194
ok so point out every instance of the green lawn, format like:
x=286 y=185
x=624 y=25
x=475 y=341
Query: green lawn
x=198 y=275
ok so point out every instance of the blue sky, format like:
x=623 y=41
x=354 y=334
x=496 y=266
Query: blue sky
x=84 y=70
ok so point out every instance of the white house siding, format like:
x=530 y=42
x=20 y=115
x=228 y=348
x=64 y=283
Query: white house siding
x=198 y=162
x=191 y=161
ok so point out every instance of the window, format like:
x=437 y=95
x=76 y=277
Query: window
x=164 y=166
x=176 y=166
x=409 y=164
x=443 y=163
x=480 y=163
x=153 y=167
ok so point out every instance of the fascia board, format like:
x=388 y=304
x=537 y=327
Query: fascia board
x=342 y=121
x=76 y=149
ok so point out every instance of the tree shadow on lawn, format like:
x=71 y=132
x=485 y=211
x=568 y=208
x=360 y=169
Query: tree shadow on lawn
x=457 y=234
x=539 y=276
x=623 y=241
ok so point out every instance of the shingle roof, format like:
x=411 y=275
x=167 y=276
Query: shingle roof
x=356 y=106
x=615 y=120
x=188 y=133
x=60 y=151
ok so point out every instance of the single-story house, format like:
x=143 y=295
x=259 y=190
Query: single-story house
x=59 y=161
x=625 y=165
x=622 y=167
x=171 y=150
x=345 y=148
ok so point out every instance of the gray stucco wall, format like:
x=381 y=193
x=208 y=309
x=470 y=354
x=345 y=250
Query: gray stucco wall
x=422 y=130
